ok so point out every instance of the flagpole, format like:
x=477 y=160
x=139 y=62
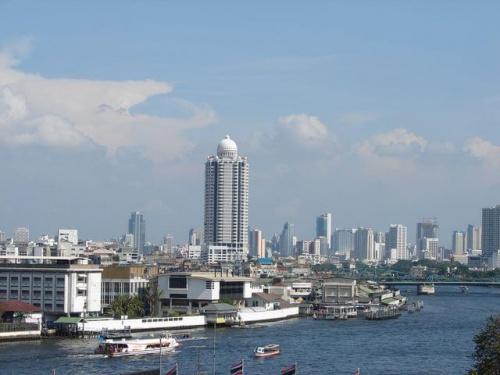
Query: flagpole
x=296 y=369
x=243 y=366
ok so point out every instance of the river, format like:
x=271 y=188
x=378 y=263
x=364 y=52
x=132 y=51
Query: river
x=436 y=340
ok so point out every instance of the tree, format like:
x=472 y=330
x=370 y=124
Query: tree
x=127 y=305
x=151 y=295
x=487 y=351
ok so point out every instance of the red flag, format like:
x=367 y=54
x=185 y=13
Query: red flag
x=172 y=371
x=290 y=370
x=237 y=369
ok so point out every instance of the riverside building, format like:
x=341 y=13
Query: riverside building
x=226 y=204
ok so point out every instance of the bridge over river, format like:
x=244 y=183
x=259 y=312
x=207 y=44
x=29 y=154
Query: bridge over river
x=422 y=282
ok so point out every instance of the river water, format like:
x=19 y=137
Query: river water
x=436 y=340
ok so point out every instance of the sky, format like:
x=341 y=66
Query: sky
x=378 y=112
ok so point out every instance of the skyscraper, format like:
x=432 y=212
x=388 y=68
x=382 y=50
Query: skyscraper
x=473 y=237
x=324 y=228
x=285 y=246
x=257 y=244
x=397 y=242
x=491 y=231
x=137 y=227
x=343 y=241
x=364 y=245
x=226 y=204
x=427 y=228
x=459 y=242
x=168 y=243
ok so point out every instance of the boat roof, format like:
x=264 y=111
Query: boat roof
x=271 y=346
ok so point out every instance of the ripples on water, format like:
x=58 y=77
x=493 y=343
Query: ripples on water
x=437 y=340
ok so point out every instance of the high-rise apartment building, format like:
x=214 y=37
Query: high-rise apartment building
x=137 y=227
x=427 y=228
x=397 y=242
x=379 y=243
x=285 y=245
x=364 y=244
x=473 y=237
x=343 y=241
x=459 y=242
x=324 y=228
x=257 y=244
x=168 y=243
x=491 y=231
x=226 y=204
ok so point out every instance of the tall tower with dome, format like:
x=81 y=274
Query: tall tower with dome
x=226 y=204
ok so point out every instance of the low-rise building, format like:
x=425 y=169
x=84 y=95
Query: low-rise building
x=57 y=285
x=190 y=291
x=122 y=280
x=339 y=290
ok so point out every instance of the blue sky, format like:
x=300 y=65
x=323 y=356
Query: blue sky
x=378 y=112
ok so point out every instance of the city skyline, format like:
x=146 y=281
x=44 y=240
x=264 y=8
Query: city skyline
x=373 y=113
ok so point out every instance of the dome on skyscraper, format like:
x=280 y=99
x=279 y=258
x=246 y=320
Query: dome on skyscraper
x=227 y=149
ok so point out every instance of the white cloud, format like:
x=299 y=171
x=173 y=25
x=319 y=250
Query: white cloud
x=399 y=143
x=18 y=126
x=484 y=151
x=304 y=131
x=61 y=112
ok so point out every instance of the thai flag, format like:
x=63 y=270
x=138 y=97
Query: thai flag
x=237 y=369
x=172 y=371
x=357 y=372
x=292 y=370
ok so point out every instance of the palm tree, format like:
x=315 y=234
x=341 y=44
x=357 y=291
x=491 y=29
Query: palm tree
x=151 y=295
x=131 y=306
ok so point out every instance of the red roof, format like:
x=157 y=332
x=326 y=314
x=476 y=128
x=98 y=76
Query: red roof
x=18 y=306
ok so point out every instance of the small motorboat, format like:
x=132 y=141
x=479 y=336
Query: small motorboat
x=267 y=351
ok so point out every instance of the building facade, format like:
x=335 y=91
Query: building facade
x=459 y=242
x=57 y=285
x=473 y=237
x=426 y=229
x=364 y=244
x=137 y=227
x=285 y=244
x=397 y=242
x=324 y=228
x=491 y=231
x=226 y=204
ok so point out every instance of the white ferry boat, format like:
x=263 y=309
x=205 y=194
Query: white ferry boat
x=125 y=348
x=267 y=351
x=426 y=289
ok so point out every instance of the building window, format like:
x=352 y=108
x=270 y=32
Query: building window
x=177 y=282
x=209 y=285
x=176 y=295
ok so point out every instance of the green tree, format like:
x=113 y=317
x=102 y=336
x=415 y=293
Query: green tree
x=127 y=305
x=151 y=295
x=487 y=351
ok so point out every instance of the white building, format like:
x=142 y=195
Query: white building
x=168 y=244
x=459 y=242
x=68 y=235
x=226 y=204
x=59 y=285
x=397 y=242
x=188 y=292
